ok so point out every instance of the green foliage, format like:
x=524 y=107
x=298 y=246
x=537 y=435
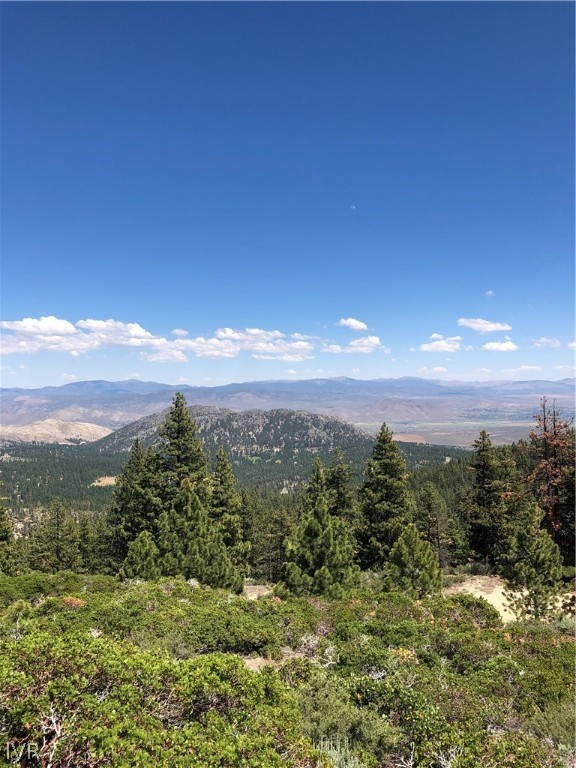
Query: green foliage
x=142 y=559
x=75 y=700
x=8 y=560
x=551 y=456
x=54 y=543
x=413 y=565
x=532 y=568
x=319 y=556
x=136 y=501
x=490 y=508
x=385 y=501
x=226 y=509
x=180 y=454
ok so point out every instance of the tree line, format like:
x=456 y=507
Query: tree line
x=508 y=509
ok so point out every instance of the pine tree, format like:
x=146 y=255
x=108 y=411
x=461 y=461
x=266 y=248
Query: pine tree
x=181 y=455
x=226 y=509
x=170 y=543
x=201 y=551
x=432 y=520
x=386 y=506
x=136 y=502
x=413 y=566
x=54 y=542
x=270 y=518
x=343 y=495
x=495 y=494
x=94 y=539
x=8 y=559
x=142 y=559
x=320 y=554
x=551 y=451
x=532 y=569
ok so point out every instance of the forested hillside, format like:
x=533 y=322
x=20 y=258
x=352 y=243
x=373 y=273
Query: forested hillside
x=128 y=638
x=271 y=450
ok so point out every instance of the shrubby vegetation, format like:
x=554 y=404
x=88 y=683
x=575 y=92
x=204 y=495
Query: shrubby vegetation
x=124 y=639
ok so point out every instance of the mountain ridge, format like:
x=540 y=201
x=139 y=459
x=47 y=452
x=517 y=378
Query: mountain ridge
x=431 y=410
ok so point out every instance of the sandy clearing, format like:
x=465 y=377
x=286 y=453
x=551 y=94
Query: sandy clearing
x=491 y=588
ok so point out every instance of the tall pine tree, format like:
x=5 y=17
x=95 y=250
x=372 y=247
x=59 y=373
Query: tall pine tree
x=490 y=506
x=552 y=476
x=343 y=494
x=320 y=554
x=54 y=542
x=198 y=546
x=136 y=502
x=227 y=510
x=386 y=505
x=181 y=455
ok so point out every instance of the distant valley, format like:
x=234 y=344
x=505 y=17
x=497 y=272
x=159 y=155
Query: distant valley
x=419 y=410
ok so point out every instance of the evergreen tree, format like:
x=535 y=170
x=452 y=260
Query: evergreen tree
x=136 y=503
x=94 y=539
x=8 y=559
x=170 y=543
x=142 y=559
x=432 y=520
x=532 y=569
x=320 y=555
x=385 y=501
x=181 y=455
x=201 y=551
x=226 y=509
x=552 y=456
x=54 y=542
x=270 y=518
x=495 y=494
x=343 y=495
x=413 y=566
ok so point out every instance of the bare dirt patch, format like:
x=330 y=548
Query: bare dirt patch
x=103 y=481
x=254 y=591
x=491 y=588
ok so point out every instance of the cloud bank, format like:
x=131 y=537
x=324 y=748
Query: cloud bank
x=50 y=333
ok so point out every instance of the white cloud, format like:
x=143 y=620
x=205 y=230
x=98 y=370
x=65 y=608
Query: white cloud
x=43 y=326
x=436 y=336
x=500 y=346
x=571 y=345
x=489 y=294
x=214 y=348
x=68 y=376
x=116 y=331
x=483 y=326
x=451 y=344
x=248 y=334
x=355 y=325
x=436 y=369
x=164 y=356
x=545 y=342
x=180 y=332
x=364 y=345
x=412 y=349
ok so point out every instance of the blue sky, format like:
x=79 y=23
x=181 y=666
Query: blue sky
x=216 y=192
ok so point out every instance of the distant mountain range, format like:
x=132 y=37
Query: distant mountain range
x=445 y=412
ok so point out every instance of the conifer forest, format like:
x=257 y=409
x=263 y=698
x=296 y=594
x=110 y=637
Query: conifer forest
x=184 y=618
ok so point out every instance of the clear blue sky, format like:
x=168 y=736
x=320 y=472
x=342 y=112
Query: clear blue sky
x=216 y=192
